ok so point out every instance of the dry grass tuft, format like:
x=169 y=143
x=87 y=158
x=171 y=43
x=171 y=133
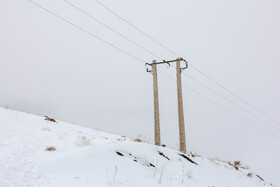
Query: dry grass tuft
x=137 y=140
x=228 y=164
x=194 y=154
x=245 y=167
x=52 y=148
x=237 y=163
x=50 y=119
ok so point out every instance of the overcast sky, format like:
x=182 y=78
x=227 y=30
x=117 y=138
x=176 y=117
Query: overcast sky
x=49 y=67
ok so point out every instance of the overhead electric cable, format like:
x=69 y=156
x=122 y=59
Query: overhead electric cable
x=225 y=98
x=136 y=28
x=87 y=32
x=197 y=69
x=232 y=93
x=222 y=107
x=158 y=56
x=100 y=22
x=115 y=31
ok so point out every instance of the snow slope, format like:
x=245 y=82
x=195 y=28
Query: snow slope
x=86 y=157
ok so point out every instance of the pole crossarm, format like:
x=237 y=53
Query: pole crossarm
x=166 y=62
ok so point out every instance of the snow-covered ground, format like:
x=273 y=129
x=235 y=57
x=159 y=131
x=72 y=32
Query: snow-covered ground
x=86 y=157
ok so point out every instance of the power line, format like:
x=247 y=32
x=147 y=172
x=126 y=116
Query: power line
x=123 y=36
x=230 y=101
x=197 y=69
x=236 y=96
x=222 y=107
x=87 y=32
x=136 y=28
x=162 y=59
x=238 y=106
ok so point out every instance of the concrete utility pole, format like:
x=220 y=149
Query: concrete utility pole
x=180 y=109
x=156 y=103
x=180 y=101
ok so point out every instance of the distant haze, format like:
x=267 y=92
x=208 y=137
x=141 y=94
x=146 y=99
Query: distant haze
x=49 y=67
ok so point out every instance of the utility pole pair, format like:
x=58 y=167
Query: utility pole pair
x=179 y=70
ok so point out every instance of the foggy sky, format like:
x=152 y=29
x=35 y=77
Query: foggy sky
x=49 y=67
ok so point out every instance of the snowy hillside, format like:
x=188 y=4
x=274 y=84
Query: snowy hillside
x=37 y=152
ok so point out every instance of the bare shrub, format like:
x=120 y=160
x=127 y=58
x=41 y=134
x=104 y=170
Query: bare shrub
x=83 y=141
x=51 y=148
x=249 y=174
x=161 y=173
x=185 y=174
x=155 y=169
x=111 y=181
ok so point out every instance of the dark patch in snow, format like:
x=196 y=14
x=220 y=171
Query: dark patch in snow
x=260 y=177
x=50 y=119
x=161 y=154
x=190 y=160
x=143 y=162
x=120 y=154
